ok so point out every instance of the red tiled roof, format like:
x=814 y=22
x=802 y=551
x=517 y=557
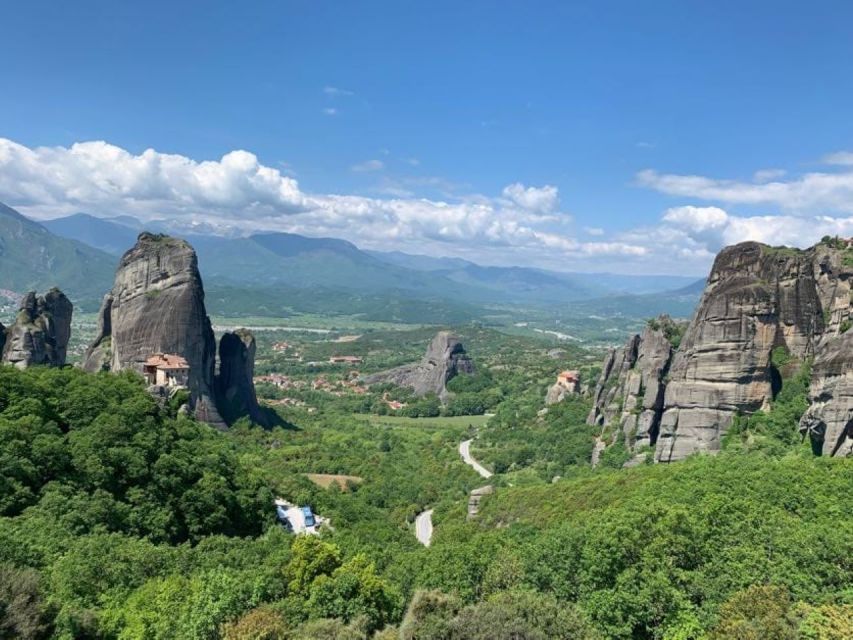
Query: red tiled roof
x=167 y=361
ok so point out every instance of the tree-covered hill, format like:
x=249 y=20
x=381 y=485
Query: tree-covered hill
x=121 y=518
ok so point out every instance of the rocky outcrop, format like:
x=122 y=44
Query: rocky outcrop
x=476 y=497
x=556 y=393
x=157 y=306
x=628 y=399
x=40 y=333
x=757 y=299
x=445 y=358
x=828 y=421
x=235 y=389
x=568 y=384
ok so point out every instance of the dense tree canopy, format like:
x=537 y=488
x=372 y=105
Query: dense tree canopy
x=120 y=518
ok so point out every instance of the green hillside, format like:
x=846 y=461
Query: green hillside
x=32 y=258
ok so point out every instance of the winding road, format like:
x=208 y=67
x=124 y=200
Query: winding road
x=465 y=452
x=423 y=527
x=423 y=521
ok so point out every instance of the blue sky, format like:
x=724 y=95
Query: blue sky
x=604 y=135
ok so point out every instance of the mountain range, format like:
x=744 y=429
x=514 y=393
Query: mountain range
x=79 y=253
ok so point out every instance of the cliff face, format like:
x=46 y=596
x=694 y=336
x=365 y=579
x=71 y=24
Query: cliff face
x=630 y=391
x=828 y=422
x=157 y=306
x=235 y=389
x=445 y=358
x=40 y=333
x=757 y=299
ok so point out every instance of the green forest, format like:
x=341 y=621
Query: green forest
x=123 y=518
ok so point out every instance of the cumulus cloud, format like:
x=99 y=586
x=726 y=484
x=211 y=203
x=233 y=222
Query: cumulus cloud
x=522 y=224
x=543 y=199
x=692 y=235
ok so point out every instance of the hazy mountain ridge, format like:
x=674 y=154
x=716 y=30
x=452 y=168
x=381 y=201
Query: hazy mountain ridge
x=274 y=259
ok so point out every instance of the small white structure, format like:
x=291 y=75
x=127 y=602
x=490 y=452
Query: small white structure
x=166 y=370
x=298 y=519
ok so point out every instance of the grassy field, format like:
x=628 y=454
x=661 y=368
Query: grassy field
x=326 y=480
x=429 y=423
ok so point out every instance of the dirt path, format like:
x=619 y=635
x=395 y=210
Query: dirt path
x=423 y=527
x=465 y=452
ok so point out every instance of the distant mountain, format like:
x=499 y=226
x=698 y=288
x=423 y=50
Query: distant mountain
x=33 y=258
x=107 y=235
x=573 y=285
x=420 y=262
x=289 y=262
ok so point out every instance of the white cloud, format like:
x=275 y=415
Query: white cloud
x=693 y=235
x=843 y=158
x=544 y=200
x=522 y=225
x=767 y=175
x=336 y=91
x=330 y=111
x=811 y=193
x=367 y=166
x=697 y=218
x=594 y=231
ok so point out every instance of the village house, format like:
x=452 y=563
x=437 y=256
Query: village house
x=569 y=380
x=166 y=370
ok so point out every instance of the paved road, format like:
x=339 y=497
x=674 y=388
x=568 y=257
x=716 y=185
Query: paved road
x=465 y=452
x=423 y=527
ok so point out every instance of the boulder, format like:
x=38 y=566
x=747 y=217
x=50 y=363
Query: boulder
x=445 y=358
x=40 y=333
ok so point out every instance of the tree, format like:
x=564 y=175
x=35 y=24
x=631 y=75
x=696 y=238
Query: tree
x=23 y=613
x=310 y=558
x=757 y=613
x=354 y=590
x=262 y=623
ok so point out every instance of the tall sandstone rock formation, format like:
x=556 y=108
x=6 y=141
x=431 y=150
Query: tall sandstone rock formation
x=234 y=385
x=40 y=333
x=630 y=391
x=757 y=299
x=444 y=358
x=157 y=306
